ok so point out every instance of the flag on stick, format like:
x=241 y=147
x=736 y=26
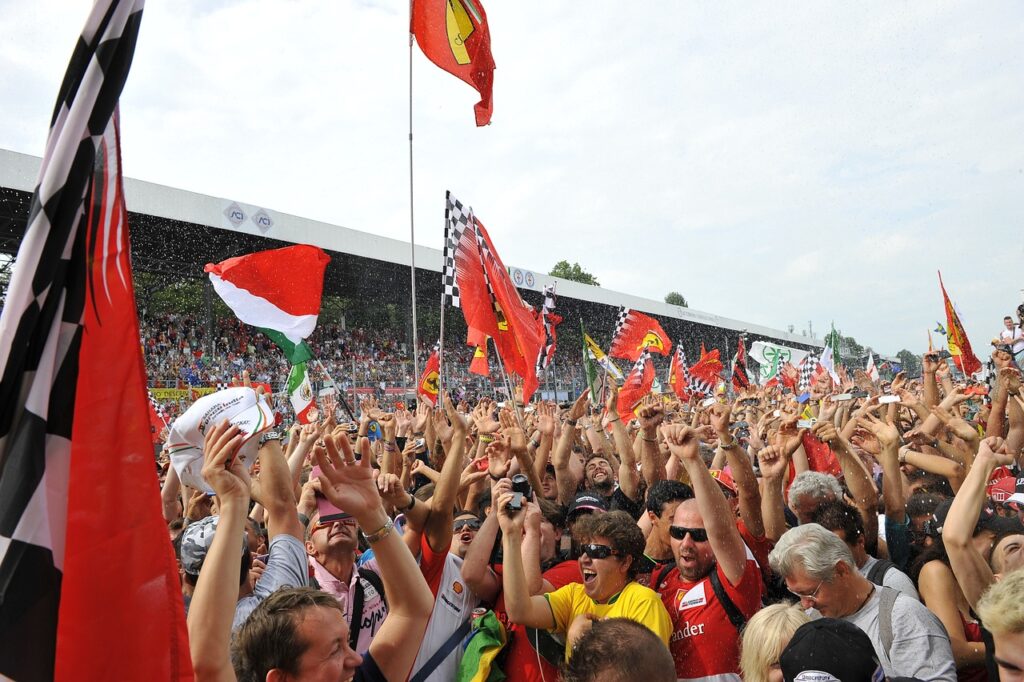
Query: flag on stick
x=479 y=363
x=591 y=348
x=871 y=370
x=550 y=321
x=679 y=373
x=636 y=332
x=300 y=393
x=430 y=381
x=637 y=385
x=76 y=455
x=455 y=36
x=278 y=291
x=740 y=380
x=589 y=371
x=956 y=338
x=705 y=373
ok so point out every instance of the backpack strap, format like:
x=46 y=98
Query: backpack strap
x=356 y=612
x=736 y=617
x=442 y=653
x=374 y=579
x=879 y=571
x=662 y=574
x=885 y=605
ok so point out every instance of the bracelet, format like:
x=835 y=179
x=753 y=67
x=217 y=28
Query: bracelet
x=730 y=446
x=613 y=420
x=412 y=503
x=380 y=533
x=570 y=422
x=535 y=444
x=494 y=478
x=902 y=458
x=486 y=439
x=649 y=440
x=390 y=447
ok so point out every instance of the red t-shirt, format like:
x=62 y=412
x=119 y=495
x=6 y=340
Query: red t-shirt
x=522 y=661
x=760 y=547
x=704 y=643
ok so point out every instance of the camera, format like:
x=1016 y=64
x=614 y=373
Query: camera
x=521 y=490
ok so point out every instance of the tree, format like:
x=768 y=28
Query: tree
x=909 y=362
x=573 y=272
x=676 y=298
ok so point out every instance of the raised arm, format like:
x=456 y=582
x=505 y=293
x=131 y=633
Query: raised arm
x=349 y=484
x=652 y=415
x=476 y=568
x=213 y=602
x=742 y=471
x=629 y=479
x=565 y=479
x=521 y=606
x=442 y=505
x=725 y=539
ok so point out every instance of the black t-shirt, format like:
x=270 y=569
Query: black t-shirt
x=990 y=654
x=368 y=671
x=618 y=501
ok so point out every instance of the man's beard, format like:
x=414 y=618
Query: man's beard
x=605 y=487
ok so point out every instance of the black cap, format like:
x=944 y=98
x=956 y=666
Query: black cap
x=830 y=650
x=586 y=501
x=987 y=520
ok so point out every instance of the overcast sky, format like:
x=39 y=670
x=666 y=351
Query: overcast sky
x=775 y=163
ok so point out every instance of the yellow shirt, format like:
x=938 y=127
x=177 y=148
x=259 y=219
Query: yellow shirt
x=635 y=602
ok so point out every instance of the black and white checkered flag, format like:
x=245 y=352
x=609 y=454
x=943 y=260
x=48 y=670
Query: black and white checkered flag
x=456 y=221
x=620 y=321
x=807 y=370
x=222 y=385
x=157 y=407
x=71 y=293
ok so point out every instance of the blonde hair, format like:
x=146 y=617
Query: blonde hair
x=765 y=636
x=1001 y=608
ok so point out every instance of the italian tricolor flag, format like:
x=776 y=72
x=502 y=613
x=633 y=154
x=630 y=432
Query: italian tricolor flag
x=300 y=392
x=278 y=291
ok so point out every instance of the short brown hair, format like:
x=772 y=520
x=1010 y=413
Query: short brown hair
x=269 y=637
x=619 y=529
x=619 y=650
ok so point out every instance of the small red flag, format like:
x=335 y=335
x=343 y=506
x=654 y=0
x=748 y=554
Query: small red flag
x=429 y=384
x=637 y=385
x=956 y=338
x=479 y=364
x=455 y=36
x=636 y=332
x=707 y=370
x=740 y=380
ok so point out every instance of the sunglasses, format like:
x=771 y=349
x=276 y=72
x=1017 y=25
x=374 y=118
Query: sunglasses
x=347 y=521
x=680 y=533
x=598 y=551
x=472 y=524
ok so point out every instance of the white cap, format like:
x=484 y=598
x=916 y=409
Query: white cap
x=241 y=406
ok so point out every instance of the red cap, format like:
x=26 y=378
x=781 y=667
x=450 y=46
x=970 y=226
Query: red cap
x=1001 y=490
x=724 y=479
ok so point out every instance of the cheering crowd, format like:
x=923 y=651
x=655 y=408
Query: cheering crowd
x=860 y=530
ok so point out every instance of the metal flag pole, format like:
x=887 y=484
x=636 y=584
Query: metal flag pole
x=412 y=224
x=337 y=391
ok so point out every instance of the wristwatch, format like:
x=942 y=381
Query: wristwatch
x=272 y=434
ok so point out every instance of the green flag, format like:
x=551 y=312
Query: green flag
x=589 y=370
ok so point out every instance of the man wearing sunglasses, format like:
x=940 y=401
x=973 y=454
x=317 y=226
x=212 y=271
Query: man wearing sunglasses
x=611 y=547
x=715 y=585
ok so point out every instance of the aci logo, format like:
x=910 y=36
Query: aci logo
x=234 y=214
x=263 y=220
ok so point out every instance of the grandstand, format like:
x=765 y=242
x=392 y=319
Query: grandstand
x=365 y=331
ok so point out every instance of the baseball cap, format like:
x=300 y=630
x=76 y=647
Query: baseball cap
x=586 y=501
x=987 y=520
x=1002 y=489
x=196 y=541
x=240 y=405
x=724 y=478
x=830 y=650
x=1018 y=492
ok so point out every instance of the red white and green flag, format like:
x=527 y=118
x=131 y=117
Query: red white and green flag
x=277 y=291
x=300 y=393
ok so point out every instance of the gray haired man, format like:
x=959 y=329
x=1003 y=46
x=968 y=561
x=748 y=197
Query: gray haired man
x=819 y=570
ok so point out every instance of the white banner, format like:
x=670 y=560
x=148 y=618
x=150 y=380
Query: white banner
x=769 y=356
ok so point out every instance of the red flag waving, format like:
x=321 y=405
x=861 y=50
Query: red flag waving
x=492 y=306
x=706 y=372
x=636 y=332
x=479 y=363
x=740 y=380
x=88 y=583
x=637 y=385
x=679 y=373
x=956 y=338
x=430 y=381
x=454 y=35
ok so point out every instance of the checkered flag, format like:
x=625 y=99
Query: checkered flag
x=620 y=321
x=456 y=221
x=69 y=321
x=221 y=385
x=808 y=368
x=547 y=351
x=157 y=407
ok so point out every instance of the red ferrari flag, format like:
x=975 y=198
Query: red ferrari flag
x=956 y=337
x=637 y=385
x=706 y=372
x=89 y=588
x=454 y=35
x=679 y=373
x=740 y=380
x=430 y=381
x=493 y=307
x=636 y=332
x=479 y=363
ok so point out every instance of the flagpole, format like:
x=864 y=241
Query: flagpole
x=337 y=391
x=412 y=226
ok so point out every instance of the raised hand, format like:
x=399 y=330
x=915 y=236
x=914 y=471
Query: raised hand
x=579 y=408
x=682 y=441
x=546 y=422
x=347 y=483
x=458 y=420
x=483 y=417
x=221 y=469
x=511 y=434
x=772 y=463
x=719 y=416
x=887 y=434
x=996 y=448
x=499 y=459
x=419 y=422
x=651 y=413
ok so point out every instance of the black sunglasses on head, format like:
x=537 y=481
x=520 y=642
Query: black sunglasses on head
x=598 y=551
x=680 y=532
x=472 y=524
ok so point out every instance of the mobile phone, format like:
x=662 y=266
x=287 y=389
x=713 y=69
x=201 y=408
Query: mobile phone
x=842 y=397
x=482 y=464
x=886 y=399
x=806 y=423
x=708 y=402
x=420 y=443
x=777 y=413
x=328 y=512
x=804 y=397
